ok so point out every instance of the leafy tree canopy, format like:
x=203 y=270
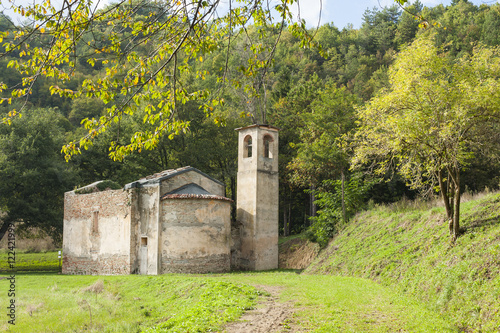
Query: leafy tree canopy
x=435 y=116
x=34 y=174
x=147 y=49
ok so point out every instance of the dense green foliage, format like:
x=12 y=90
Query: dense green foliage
x=405 y=246
x=34 y=175
x=338 y=202
x=310 y=95
x=146 y=54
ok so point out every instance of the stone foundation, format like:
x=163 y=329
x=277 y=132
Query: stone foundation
x=113 y=265
x=201 y=265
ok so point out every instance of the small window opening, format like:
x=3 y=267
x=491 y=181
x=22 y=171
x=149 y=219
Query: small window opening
x=144 y=241
x=248 y=147
x=95 y=222
x=268 y=147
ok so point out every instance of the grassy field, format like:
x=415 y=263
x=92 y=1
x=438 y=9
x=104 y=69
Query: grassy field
x=406 y=247
x=57 y=303
x=204 y=303
x=345 y=304
x=41 y=262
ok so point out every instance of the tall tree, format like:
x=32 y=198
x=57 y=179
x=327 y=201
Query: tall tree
x=491 y=26
x=322 y=153
x=436 y=114
x=34 y=174
x=408 y=24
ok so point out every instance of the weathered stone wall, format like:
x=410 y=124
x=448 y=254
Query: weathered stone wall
x=135 y=216
x=96 y=234
x=148 y=228
x=101 y=265
x=189 y=177
x=195 y=236
x=257 y=200
x=267 y=217
x=135 y=231
x=235 y=245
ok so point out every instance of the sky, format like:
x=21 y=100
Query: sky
x=339 y=12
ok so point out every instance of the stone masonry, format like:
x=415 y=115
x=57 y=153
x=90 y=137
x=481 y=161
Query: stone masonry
x=179 y=221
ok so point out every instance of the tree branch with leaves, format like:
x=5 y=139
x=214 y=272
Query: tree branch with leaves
x=147 y=48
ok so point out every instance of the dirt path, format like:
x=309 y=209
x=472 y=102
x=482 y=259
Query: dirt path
x=270 y=315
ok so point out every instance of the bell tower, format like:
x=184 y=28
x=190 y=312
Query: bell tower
x=257 y=197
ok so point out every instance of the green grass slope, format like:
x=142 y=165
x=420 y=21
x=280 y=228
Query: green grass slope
x=407 y=247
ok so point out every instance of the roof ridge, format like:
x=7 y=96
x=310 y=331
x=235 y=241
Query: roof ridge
x=160 y=176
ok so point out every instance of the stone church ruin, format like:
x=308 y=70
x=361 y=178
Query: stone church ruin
x=179 y=221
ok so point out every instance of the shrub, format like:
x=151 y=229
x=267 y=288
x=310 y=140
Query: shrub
x=329 y=200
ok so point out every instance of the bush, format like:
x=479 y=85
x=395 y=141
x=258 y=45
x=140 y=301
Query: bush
x=108 y=185
x=329 y=200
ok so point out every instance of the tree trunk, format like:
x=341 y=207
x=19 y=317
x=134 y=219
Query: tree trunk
x=285 y=220
x=342 y=176
x=313 y=199
x=3 y=229
x=456 y=213
x=443 y=187
x=452 y=202
x=289 y=215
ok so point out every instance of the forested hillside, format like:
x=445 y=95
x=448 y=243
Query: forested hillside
x=314 y=95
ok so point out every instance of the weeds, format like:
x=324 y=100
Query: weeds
x=86 y=306
x=31 y=308
x=96 y=288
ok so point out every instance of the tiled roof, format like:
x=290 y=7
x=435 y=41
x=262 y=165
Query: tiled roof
x=194 y=196
x=258 y=125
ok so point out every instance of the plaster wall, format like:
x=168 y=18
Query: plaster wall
x=195 y=235
x=135 y=216
x=257 y=201
x=96 y=234
x=170 y=184
x=148 y=211
x=266 y=224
